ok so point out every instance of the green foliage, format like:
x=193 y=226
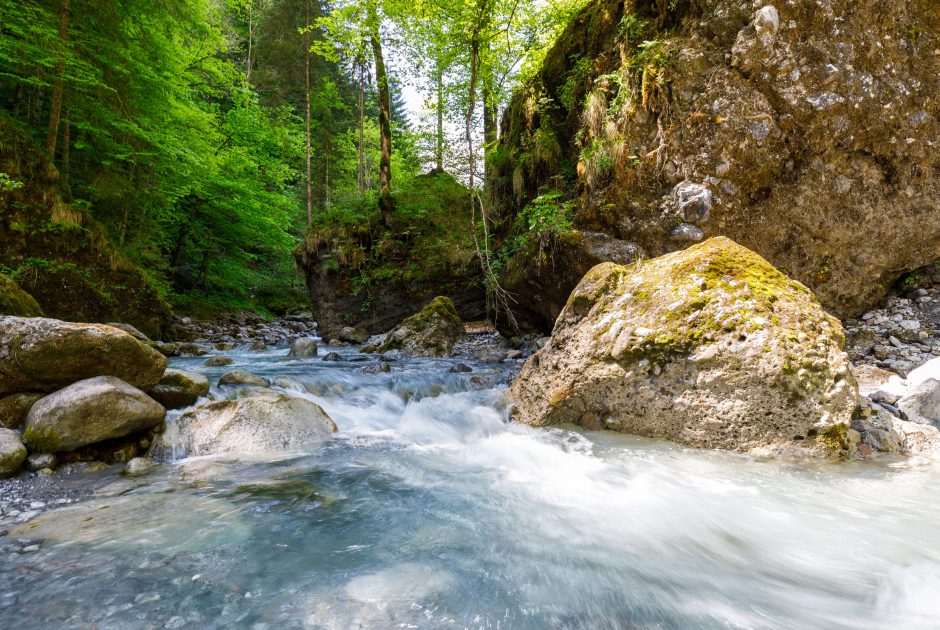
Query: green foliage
x=575 y=83
x=8 y=184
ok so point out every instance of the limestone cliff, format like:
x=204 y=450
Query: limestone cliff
x=805 y=130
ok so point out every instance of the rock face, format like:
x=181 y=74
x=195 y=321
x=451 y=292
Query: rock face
x=13 y=408
x=87 y=412
x=722 y=123
x=178 y=388
x=710 y=347
x=38 y=354
x=16 y=301
x=12 y=453
x=430 y=333
x=258 y=426
x=303 y=347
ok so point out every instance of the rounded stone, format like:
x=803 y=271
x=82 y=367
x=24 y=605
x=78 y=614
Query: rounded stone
x=12 y=453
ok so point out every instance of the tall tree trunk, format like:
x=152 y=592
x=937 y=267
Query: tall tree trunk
x=361 y=174
x=66 y=155
x=440 y=115
x=307 y=45
x=386 y=202
x=58 y=88
x=251 y=33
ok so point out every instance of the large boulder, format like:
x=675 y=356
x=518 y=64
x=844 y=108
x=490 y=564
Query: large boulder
x=710 y=347
x=241 y=377
x=303 y=347
x=269 y=425
x=13 y=408
x=430 y=333
x=87 y=412
x=12 y=453
x=179 y=388
x=39 y=354
x=16 y=301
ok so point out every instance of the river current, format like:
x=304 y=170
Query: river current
x=428 y=509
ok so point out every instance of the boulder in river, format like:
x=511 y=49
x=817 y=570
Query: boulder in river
x=429 y=333
x=13 y=408
x=218 y=361
x=241 y=377
x=709 y=347
x=12 y=453
x=39 y=354
x=256 y=427
x=179 y=388
x=303 y=347
x=87 y=412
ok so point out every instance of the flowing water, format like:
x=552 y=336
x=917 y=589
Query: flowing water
x=429 y=510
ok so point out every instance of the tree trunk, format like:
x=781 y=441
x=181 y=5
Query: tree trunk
x=361 y=174
x=307 y=44
x=251 y=33
x=386 y=202
x=66 y=155
x=440 y=115
x=58 y=88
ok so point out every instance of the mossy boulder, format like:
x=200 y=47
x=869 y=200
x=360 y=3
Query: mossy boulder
x=87 y=412
x=13 y=408
x=430 y=333
x=710 y=347
x=12 y=453
x=16 y=301
x=179 y=388
x=257 y=427
x=39 y=354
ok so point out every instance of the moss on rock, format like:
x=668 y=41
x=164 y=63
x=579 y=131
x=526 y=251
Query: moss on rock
x=15 y=301
x=431 y=332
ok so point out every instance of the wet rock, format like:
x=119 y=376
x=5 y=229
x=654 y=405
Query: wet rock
x=13 y=408
x=39 y=461
x=138 y=466
x=460 y=368
x=376 y=368
x=12 y=453
x=87 y=412
x=38 y=354
x=332 y=356
x=218 y=361
x=430 y=333
x=351 y=334
x=257 y=346
x=179 y=388
x=709 y=347
x=393 y=355
x=254 y=427
x=241 y=377
x=286 y=382
x=225 y=346
x=303 y=347
x=922 y=403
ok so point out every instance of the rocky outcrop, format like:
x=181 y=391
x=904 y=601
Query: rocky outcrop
x=179 y=388
x=16 y=301
x=710 y=347
x=805 y=131
x=430 y=333
x=269 y=425
x=12 y=453
x=87 y=412
x=38 y=354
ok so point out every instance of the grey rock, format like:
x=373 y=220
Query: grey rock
x=138 y=466
x=179 y=388
x=303 y=347
x=241 y=377
x=37 y=461
x=332 y=356
x=686 y=232
x=695 y=201
x=376 y=368
x=218 y=361
x=922 y=404
x=13 y=408
x=351 y=334
x=12 y=453
x=130 y=330
x=89 y=411
x=460 y=367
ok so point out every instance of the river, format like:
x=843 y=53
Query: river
x=428 y=509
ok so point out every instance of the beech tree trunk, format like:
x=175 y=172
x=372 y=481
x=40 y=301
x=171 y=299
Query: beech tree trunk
x=440 y=116
x=386 y=202
x=361 y=174
x=307 y=44
x=58 y=88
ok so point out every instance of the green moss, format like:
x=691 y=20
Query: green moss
x=16 y=301
x=41 y=440
x=836 y=438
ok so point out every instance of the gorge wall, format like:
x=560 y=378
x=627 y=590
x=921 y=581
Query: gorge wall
x=806 y=130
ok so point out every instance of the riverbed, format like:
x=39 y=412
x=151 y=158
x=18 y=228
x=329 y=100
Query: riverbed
x=429 y=509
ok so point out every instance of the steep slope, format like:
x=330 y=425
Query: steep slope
x=807 y=131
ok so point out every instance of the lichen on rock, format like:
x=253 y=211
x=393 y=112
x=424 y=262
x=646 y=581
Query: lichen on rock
x=430 y=333
x=710 y=347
